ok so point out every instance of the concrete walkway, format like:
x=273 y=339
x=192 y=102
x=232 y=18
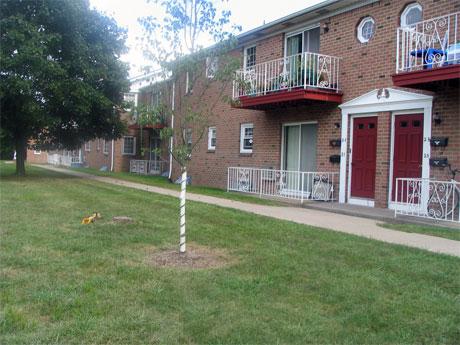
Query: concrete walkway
x=337 y=222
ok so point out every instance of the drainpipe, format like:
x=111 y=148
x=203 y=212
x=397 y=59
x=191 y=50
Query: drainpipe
x=112 y=158
x=171 y=140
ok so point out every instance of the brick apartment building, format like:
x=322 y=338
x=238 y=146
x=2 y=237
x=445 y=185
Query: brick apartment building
x=357 y=93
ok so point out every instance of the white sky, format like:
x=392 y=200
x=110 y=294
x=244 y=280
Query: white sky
x=247 y=13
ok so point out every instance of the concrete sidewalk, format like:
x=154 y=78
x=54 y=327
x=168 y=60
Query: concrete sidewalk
x=343 y=223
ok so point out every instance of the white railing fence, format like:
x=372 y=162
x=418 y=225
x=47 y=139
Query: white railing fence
x=296 y=185
x=428 y=44
x=66 y=158
x=147 y=167
x=427 y=198
x=295 y=71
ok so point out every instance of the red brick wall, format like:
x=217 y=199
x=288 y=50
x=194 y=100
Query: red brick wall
x=364 y=67
x=33 y=158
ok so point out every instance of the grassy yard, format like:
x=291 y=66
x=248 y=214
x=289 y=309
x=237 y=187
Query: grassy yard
x=450 y=233
x=160 y=181
x=66 y=283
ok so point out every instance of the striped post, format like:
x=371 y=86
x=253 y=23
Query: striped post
x=183 y=187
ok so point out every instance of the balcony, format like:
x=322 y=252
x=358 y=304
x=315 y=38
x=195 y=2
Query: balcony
x=428 y=52
x=293 y=79
x=147 y=167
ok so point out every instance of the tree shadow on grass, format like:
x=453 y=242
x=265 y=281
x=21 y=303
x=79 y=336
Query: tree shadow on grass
x=8 y=173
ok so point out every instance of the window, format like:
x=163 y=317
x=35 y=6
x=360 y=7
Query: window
x=129 y=145
x=37 y=151
x=156 y=96
x=249 y=57
x=106 y=147
x=412 y=14
x=188 y=137
x=212 y=138
x=366 y=29
x=88 y=146
x=211 y=66
x=246 y=138
x=303 y=41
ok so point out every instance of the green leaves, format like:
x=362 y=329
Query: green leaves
x=61 y=77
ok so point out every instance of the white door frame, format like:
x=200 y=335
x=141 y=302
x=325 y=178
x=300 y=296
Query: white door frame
x=287 y=124
x=352 y=200
x=385 y=100
x=391 y=204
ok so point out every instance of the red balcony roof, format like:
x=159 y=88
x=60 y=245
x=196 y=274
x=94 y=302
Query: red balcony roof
x=427 y=76
x=288 y=97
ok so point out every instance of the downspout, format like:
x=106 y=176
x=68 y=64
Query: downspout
x=171 y=140
x=112 y=158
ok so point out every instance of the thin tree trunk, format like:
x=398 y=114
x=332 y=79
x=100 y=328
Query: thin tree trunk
x=183 y=188
x=20 y=147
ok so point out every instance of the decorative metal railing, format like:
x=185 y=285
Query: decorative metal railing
x=427 y=198
x=296 y=71
x=147 y=167
x=296 y=185
x=66 y=158
x=428 y=44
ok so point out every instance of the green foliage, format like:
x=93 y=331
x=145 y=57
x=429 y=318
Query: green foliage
x=61 y=77
x=176 y=45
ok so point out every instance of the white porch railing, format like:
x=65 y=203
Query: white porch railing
x=295 y=71
x=296 y=185
x=147 y=167
x=428 y=44
x=66 y=158
x=427 y=198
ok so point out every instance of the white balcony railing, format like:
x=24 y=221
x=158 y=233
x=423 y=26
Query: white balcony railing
x=296 y=71
x=147 y=167
x=428 y=198
x=428 y=44
x=296 y=185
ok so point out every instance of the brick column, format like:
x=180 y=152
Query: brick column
x=383 y=159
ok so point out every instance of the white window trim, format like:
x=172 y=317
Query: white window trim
x=242 y=128
x=88 y=146
x=245 y=55
x=37 y=152
x=134 y=146
x=360 y=36
x=406 y=11
x=210 y=130
x=104 y=147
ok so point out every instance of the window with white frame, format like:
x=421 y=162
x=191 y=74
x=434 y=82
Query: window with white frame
x=88 y=146
x=37 y=151
x=129 y=145
x=249 y=57
x=212 y=63
x=106 y=147
x=246 y=138
x=366 y=29
x=212 y=138
x=412 y=14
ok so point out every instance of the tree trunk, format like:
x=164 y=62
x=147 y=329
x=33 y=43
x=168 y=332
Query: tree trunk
x=20 y=147
x=183 y=188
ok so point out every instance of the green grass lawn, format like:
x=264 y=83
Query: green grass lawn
x=450 y=233
x=66 y=283
x=160 y=181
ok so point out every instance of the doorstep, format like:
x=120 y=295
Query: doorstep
x=381 y=214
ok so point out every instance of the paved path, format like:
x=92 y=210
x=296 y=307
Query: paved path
x=337 y=222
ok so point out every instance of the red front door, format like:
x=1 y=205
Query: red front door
x=408 y=149
x=364 y=157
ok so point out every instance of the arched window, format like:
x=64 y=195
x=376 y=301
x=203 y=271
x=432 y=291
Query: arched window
x=366 y=29
x=412 y=14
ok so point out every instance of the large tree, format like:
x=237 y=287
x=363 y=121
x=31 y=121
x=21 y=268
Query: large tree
x=61 y=77
x=191 y=73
